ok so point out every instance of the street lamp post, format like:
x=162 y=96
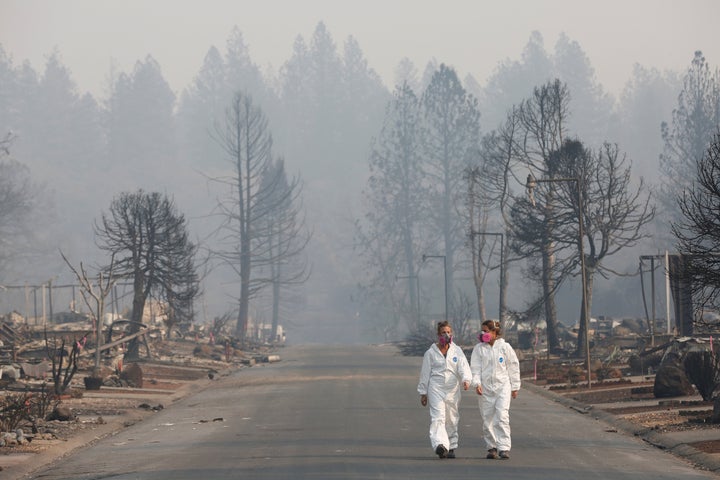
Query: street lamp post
x=530 y=185
x=425 y=257
x=501 y=309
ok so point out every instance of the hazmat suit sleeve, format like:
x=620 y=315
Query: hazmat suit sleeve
x=464 y=371
x=513 y=366
x=476 y=366
x=424 y=381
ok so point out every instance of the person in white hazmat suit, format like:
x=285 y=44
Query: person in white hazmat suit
x=444 y=368
x=496 y=377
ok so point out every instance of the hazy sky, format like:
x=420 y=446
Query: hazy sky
x=471 y=35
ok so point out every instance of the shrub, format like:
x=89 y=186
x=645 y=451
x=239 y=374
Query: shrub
x=703 y=369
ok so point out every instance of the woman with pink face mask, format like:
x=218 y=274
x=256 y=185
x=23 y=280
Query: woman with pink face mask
x=496 y=377
x=444 y=368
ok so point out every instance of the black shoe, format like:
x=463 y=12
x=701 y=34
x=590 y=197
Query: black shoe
x=441 y=451
x=505 y=454
x=451 y=453
x=492 y=454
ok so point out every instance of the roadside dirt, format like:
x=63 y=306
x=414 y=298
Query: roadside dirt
x=182 y=368
x=635 y=403
x=91 y=411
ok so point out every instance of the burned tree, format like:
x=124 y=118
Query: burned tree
x=477 y=208
x=287 y=238
x=592 y=190
x=538 y=128
x=614 y=214
x=698 y=231
x=94 y=294
x=499 y=153
x=149 y=239
x=261 y=227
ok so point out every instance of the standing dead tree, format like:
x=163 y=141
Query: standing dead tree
x=538 y=128
x=94 y=295
x=477 y=219
x=615 y=212
x=698 y=234
x=150 y=240
x=261 y=235
x=500 y=154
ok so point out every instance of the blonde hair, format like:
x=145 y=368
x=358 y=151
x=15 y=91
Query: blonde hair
x=493 y=326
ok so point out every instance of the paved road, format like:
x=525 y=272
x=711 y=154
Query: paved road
x=351 y=412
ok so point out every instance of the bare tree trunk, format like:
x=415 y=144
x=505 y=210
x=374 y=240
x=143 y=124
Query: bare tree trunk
x=275 y=309
x=477 y=216
x=243 y=186
x=476 y=245
x=582 y=332
x=548 y=260
x=481 y=304
x=88 y=291
x=244 y=301
x=133 y=348
x=448 y=266
x=504 y=279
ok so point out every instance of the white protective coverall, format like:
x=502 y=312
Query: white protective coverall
x=497 y=370
x=441 y=378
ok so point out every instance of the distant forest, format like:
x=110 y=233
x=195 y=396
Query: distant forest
x=325 y=106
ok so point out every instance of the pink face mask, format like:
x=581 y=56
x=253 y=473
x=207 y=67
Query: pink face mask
x=485 y=337
x=445 y=339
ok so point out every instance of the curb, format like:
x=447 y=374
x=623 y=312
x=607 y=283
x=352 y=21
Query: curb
x=652 y=437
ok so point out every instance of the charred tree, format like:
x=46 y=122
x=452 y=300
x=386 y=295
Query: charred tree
x=150 y=242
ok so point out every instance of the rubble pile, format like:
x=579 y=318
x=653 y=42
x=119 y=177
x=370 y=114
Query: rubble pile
x=33 y=416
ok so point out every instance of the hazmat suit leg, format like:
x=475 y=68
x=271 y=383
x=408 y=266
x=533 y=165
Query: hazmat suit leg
x=452 y=419
x=438 y=432
x=495 y=409
x=486 y=402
